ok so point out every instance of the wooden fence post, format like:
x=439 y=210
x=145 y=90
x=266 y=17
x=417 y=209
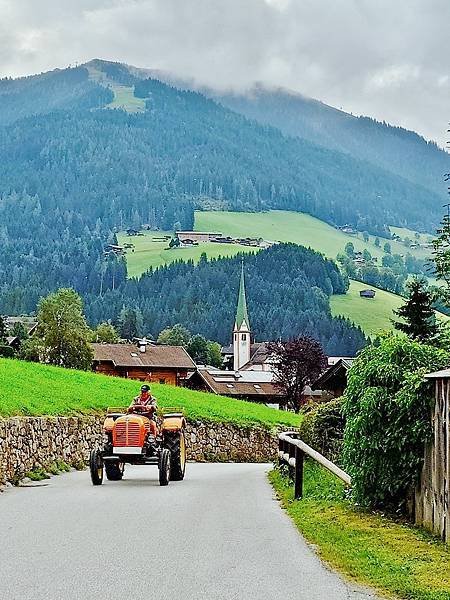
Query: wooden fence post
x=298 y=483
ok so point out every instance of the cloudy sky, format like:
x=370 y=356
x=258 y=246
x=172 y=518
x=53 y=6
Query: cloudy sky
x=389 y=59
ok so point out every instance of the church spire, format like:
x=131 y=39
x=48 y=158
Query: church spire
x=241 y=312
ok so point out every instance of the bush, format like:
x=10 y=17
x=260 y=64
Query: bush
x=6 y=351
x=323 y=429
x=387 y=408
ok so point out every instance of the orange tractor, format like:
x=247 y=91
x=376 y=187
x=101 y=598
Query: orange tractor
x=133 y=438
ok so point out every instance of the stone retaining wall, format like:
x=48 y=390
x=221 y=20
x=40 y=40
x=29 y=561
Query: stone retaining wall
x=27 y=443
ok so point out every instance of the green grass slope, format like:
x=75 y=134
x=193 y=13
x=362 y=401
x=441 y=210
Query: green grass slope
x=33 y=389
x=300 y=228
x=149 y=252
x=372 y=314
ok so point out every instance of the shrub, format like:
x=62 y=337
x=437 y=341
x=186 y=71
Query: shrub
x=387 y=409
x=323 y=429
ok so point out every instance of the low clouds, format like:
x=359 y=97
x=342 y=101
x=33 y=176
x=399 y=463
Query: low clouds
x=384 y=59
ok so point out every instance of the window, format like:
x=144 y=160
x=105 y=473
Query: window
x=244 y=337
x=235 y=337
x=230 y=385
x=257 y=387
x=162 y=381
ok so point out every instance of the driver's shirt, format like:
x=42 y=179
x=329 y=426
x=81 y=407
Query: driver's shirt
x=150 y=401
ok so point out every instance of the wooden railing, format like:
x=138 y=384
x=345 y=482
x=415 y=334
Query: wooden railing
x=292 y=451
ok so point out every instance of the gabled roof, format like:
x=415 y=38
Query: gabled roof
x=240 y=383
x=241 y=312
x=339 y=368
x=129 y=355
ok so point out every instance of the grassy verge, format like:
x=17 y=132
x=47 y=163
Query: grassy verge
x=392 y=557
x=33 y=389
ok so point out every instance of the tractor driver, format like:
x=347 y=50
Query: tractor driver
x=145 y=400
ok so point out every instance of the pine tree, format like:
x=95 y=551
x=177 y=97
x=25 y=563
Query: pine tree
x=417 y=313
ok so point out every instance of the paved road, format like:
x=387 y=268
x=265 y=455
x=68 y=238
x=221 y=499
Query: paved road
x=218 y=535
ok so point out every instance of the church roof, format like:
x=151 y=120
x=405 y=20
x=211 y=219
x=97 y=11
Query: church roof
x=241 y=312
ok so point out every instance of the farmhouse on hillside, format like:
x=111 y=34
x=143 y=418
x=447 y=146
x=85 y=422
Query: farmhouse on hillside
x=367 y=293
x=334 y=379
x=146 y=362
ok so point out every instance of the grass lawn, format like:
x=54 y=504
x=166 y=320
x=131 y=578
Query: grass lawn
x=124 y=98
x=33 y=389
x=286 y=226
x=149 y=252
x=366 y=547
x=372 y=314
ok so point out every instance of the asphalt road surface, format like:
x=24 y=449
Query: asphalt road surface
x=217 y=535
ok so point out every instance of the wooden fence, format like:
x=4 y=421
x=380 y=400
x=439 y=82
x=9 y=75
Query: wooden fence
x=432 y=495
x=292 y=450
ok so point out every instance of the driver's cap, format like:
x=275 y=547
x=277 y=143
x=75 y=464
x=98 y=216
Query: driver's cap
x=145 y=388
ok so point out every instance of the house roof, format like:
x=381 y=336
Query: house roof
x=444 y=374
x=240 y=383
x=129 y=355
x=339 y=368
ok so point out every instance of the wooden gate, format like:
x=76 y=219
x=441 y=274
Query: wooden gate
x=432 y=498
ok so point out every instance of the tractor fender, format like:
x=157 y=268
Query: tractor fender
x=173 y=423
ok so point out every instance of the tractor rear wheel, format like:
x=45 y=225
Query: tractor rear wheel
x=96 y=467
x=176 y=444
x=114 y=470
x=164 y=467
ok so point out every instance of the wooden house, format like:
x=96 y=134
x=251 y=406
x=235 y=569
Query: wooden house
x=367 y=293
x=146 y=362
x=334 y=379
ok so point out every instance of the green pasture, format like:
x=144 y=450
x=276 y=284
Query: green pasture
x=34 y=389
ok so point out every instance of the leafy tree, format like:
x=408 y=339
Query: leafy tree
x=441 y=254
x=3 y=330
x=62 y=336
x=178 y=335
x=215 y=358
x=19 y=331
x=350 y=249
x=297 y=362
x=387 y=248
x=387 y=410
x=197 y=349
x=366 y=236
x=106 y=333
x=377 y=242
x=130 y=323
x=366 y=255
x=419 y=318
x=174 y=242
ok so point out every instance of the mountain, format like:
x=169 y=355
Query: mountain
x=395 y=149
x=90 y=150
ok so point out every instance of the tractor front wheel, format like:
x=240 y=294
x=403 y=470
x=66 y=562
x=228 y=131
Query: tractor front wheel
x=176 y=444
x=114 y=470
x=164 y=467
x=96 y=467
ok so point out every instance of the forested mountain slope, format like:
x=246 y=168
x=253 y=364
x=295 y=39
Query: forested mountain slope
x=395 y=149
x=73 y=171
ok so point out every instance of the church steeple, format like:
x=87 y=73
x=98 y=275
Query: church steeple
x=241 y=333
x=241 y=312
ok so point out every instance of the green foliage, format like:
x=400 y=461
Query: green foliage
x=387 y=248
x=178 y=335
x=417 y=314
x=323 y=429
x=62 y=336
x=387 y=410
x=6 y=351
x=441 y=254
x=3 y=330
x=34 y=389
x=350 y=249
x=20 y=331
x=197 y=349
x=130 y=323
x=214 y=354
x=106 y=333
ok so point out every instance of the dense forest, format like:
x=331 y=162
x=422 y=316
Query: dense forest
x=288 y=289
